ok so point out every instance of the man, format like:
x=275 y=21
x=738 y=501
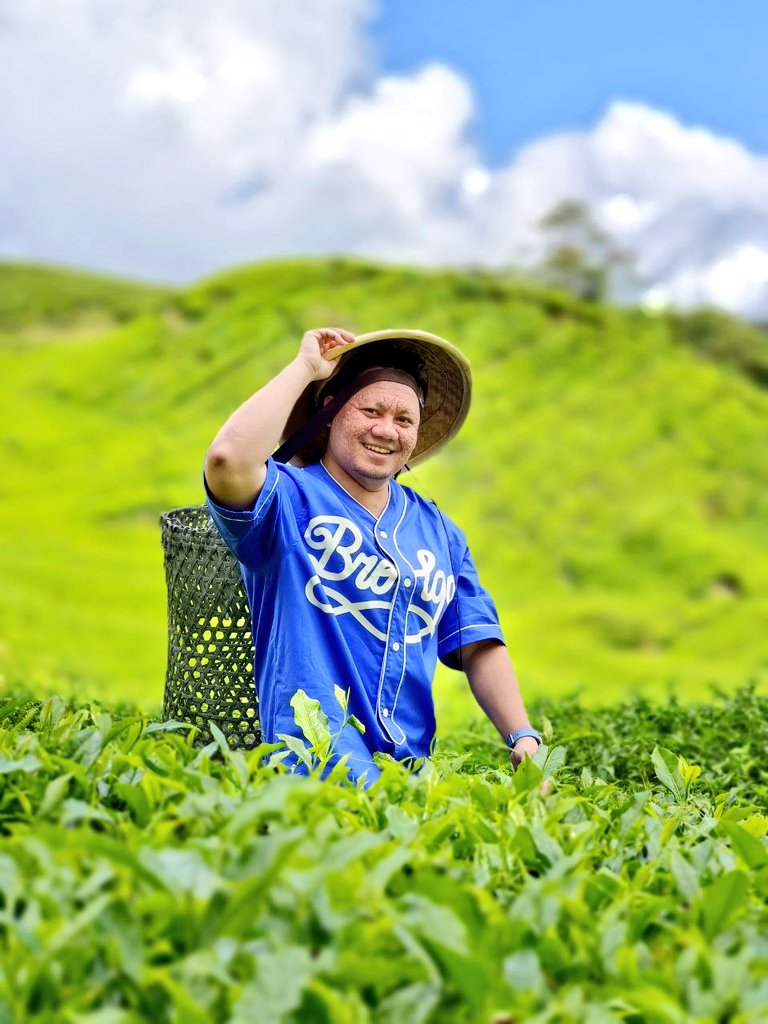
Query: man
x=353 y=580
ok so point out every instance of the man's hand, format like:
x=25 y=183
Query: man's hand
x=527 y=745
x=315 y=345
x=235 y=464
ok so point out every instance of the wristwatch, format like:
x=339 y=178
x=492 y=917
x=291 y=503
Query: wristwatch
x=520 y=733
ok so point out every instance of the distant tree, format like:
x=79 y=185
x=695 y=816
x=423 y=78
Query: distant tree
x=723 y=338
x=580 y=256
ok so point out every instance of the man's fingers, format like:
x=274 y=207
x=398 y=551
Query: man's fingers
x=518 y=756
x=332 y=337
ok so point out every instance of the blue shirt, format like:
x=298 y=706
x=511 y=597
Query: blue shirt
x=338 y=597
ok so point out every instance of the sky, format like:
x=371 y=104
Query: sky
x=167 y=140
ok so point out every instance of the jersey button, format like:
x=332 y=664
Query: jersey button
x=395 y=646
x=383 y=533
x=407 y=583
x=385 y=712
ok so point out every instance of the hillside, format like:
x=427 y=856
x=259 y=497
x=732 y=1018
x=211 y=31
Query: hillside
x=50 y=301
x=610 y=476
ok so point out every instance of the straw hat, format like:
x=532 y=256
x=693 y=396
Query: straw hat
x=443 y=369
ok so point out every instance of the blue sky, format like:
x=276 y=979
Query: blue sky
x=168 y=140
x=538 y=68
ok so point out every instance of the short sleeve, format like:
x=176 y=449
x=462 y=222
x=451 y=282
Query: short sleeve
x=259 y=535
x=470 y=616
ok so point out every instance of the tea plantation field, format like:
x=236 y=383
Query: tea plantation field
x=143 y=878
x=610 y=477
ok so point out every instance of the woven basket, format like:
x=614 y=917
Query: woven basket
x=210 y=641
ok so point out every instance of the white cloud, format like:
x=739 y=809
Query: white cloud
x=475 y=181
x=168 y=141
x=404 y=140
x=738 y=281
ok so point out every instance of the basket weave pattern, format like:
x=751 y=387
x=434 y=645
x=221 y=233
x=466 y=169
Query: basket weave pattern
x=209 y=677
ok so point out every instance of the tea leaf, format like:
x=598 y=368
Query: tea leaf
x=722 y=901
x=751 y=850
x=665 y=765
x=312 y=720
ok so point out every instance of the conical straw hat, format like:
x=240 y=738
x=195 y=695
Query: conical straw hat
x=445 y=370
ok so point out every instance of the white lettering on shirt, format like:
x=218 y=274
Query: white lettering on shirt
x=338 y=542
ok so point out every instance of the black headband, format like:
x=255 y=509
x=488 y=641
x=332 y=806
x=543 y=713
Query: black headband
x=326 y=412
x=373 y=375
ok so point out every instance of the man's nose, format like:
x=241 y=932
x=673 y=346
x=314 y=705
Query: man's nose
x=385 y=427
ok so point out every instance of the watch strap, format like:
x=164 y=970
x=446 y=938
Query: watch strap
x=520 y=734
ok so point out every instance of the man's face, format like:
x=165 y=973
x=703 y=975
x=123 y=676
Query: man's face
x=373 y=435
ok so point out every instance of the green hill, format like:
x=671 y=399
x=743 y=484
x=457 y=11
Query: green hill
x=610 y=476
x=38 y=298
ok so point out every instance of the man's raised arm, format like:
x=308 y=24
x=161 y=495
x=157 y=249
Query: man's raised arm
x=235 y=464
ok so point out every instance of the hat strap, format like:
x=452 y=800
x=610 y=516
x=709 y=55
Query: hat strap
x=325 y=414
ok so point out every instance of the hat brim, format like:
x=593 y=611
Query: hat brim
x=449 y=390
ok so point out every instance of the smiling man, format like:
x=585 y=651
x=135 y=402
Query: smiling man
x=352 y=579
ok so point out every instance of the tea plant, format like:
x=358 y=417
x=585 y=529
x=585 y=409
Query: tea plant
x=144 y=879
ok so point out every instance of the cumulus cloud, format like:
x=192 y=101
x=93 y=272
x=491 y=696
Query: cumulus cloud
x=168 y=141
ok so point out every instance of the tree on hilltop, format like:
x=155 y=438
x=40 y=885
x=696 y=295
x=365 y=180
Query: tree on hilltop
x=580 y=256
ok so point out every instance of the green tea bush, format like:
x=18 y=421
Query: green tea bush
x=724 y=339
x=144 y=879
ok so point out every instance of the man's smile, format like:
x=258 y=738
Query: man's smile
x=378 y=449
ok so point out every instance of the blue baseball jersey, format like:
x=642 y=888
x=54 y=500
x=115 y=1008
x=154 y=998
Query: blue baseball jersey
x=341 y=598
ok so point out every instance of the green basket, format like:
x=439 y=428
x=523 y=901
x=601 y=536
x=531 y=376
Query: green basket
x=209 y=677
